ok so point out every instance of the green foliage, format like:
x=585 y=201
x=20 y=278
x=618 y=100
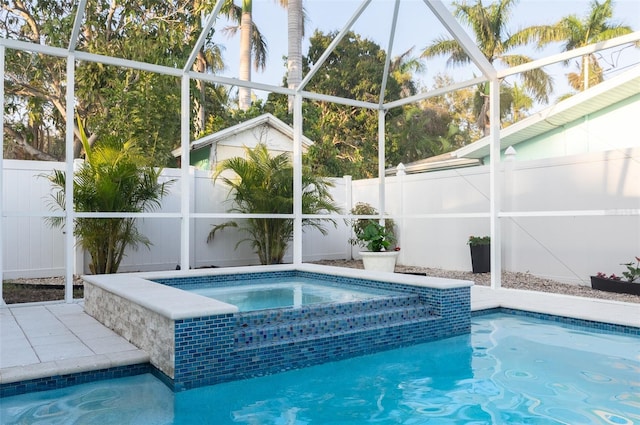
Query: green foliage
x=479 y=240
x=421 y=132
x=369 y=233
x=489 y=26
x=115 y=177
x=116 y=102
x=346 y=137
x=633 y=272
x=574 y=32
x=375 y=237
x=264 y=185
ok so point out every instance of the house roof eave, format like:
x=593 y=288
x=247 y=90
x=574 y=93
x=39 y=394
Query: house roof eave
x=582 y=104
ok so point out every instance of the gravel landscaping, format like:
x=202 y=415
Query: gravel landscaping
x=511 y=280
x=51 y=289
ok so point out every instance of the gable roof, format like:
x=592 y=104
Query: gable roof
x=587 y=102
x=263 y=119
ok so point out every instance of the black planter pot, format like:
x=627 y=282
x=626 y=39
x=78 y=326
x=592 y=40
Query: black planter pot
x=617 y=286
x=480 y=258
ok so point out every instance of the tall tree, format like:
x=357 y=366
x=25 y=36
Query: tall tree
x=420 y=132
x=295 y=32
x=520 y=104
x=35 y=94
x=346 y=137
x=263 y=184
x=575 y=32
x=460 y=105
x=252 y=43
x=402 y=68
x=131 y=103
x=489 y=25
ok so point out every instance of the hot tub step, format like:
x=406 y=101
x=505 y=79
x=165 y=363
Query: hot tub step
x=286 y=316
x=278 y=356
x=285 y=332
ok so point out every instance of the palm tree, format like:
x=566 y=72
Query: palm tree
x=264 y=185
x=575 y=32
x=115 y=177
x=295 y=32
x=521 y=102
x=402 y=68
x=252 y=43
x=489 y=25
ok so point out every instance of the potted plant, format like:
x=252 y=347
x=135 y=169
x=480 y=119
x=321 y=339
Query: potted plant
x=613 y=283
x=376 y=238
x=480 y=247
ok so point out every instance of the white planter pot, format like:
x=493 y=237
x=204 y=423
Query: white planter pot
x=384 y=261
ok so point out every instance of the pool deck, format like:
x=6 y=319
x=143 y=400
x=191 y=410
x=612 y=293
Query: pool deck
x=50 y=339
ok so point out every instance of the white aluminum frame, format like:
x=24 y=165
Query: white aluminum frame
x=186 y=74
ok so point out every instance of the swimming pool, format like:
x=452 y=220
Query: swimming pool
x=285 y=292
x=510 y=369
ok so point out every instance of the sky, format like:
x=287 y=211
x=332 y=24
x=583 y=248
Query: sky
x=416 y=28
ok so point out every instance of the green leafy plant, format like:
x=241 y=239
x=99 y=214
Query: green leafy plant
x=479 y=240
x=369 y=233
x=632 y=273
x=263 y=184
x=115 y=177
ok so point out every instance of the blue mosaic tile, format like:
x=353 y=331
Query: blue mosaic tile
x=592 y=325
x=215 y=349
x=62 y=381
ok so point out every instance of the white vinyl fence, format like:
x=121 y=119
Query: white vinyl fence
x=564 y=218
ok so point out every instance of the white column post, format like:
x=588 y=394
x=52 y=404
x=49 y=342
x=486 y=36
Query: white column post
x=494 y=183
x=400 y=173
x=297 y=179
x=193 y=260
x=79 y=252
x=2 y=52
x=381 y=160
x=184 y=176
x=508 y=185
x=68 y=194
x=348 y=205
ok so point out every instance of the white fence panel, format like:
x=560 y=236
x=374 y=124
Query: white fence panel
x=334 y=246
x=571 y=248
x=31 y=248
x=567 y=245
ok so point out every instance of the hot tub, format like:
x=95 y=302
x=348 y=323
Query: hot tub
x=194 y=340
x=295 y=292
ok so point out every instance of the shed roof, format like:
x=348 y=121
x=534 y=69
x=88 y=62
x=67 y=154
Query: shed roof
x=224 y=134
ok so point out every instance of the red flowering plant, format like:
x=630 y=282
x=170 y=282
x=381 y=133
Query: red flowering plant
x=612 y=276
x=632 y=273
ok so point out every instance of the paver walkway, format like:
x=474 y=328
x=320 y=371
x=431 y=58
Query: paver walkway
x=45 y=340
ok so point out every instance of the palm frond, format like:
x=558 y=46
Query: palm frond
x=264 y=184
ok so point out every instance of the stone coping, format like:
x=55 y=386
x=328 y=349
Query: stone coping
x=72 y=366
x=169 y=302
x=177 y=304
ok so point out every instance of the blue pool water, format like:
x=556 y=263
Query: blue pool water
x=510 y=370
x=284 y=292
